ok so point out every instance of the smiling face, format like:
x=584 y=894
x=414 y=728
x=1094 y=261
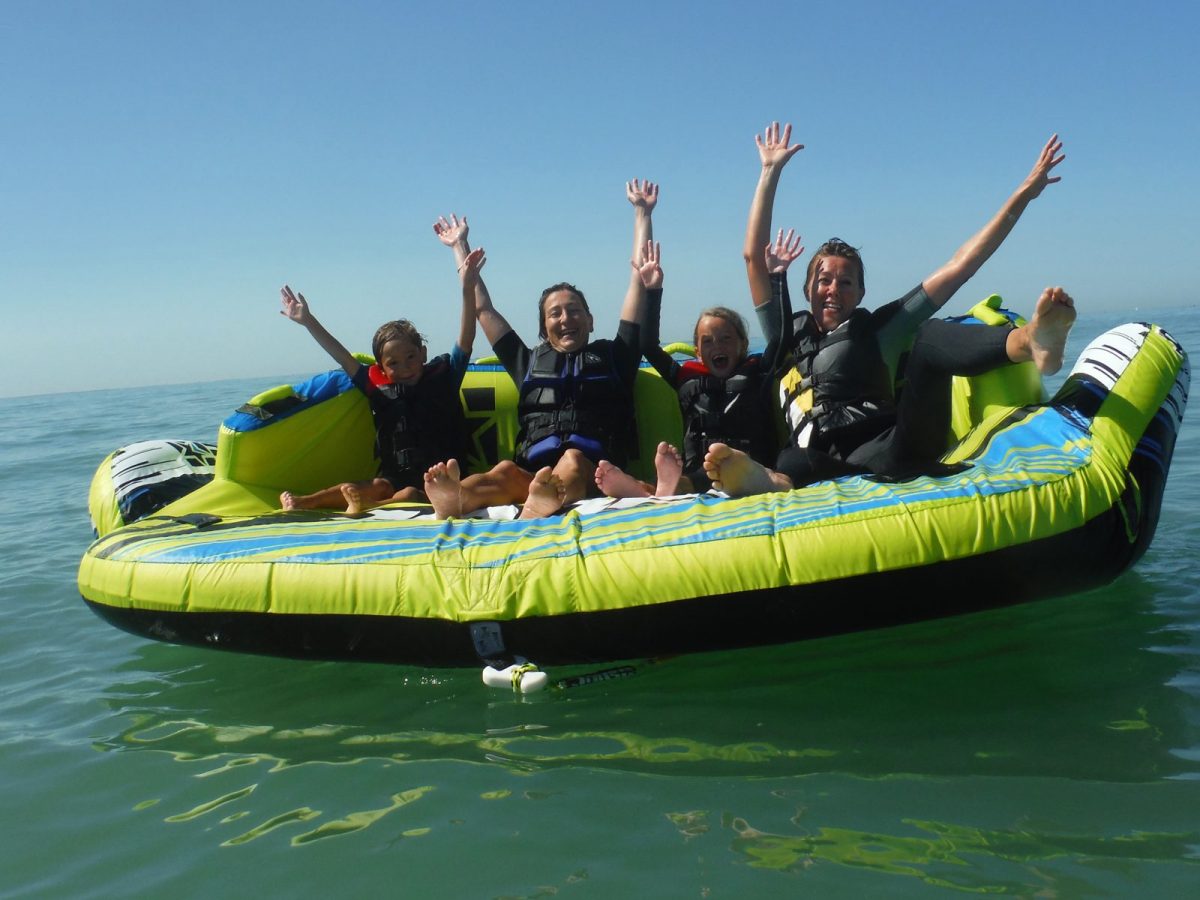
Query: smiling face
x=402 y=361
x=719 y=345
x=834 y=290
x=566 y=322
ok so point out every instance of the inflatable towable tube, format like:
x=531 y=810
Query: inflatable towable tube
x=1047 y=498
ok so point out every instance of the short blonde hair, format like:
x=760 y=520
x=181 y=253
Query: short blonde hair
x=733 y=318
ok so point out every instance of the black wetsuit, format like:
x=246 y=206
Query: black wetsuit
x=851 y=421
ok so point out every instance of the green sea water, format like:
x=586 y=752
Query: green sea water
x=1047 y=750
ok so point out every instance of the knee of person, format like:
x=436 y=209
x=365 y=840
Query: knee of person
x=507 y=471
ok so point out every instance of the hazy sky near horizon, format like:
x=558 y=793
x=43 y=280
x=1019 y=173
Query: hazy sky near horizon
x=169 y=166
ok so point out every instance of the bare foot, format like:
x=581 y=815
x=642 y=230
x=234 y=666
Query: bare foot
x=546 y=495
x=442 y=486
x=735 y=473
x=615 y=483
x=329 y=498
x=1053 y=316
x=354 y=500
x=668 y=466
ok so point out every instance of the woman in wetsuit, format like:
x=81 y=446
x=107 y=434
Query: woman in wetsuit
x=576 y=394
x=838 y=392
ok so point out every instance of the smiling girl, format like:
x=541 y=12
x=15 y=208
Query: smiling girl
x=725 y=395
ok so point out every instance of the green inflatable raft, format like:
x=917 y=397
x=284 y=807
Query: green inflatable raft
x=1046 y=497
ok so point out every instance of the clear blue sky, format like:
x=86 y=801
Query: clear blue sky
x=167 y=166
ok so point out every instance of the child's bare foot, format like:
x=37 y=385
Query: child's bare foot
x=735 y=473
x=618 y=484
x=1053 y=316
x=668 y=465
x=354 y=500
x=329 y=498
x=442 y=486
x=546 y=495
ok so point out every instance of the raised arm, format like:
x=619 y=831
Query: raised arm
x=941 y=285
x=775 y=316
x=643 y=195
x=453 y=233
x=649 y=272
x=295 y=307
x=472 y=283
x=773 y=151
x=647 y=277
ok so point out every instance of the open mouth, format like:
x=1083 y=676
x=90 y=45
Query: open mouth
x=833 y=310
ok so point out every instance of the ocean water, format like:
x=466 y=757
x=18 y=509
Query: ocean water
x=1048 y=750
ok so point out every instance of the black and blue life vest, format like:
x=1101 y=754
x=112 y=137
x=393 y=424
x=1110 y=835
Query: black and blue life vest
x=579 y=393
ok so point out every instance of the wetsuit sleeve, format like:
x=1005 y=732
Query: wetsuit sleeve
x=650 y=326
x=627 y=350
x=663 y=364
x=454 y=364
x=514 y=356
x=458 y=363
x=775 y=320
x=361 y=380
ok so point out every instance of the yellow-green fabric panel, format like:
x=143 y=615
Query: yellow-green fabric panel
x=325 y=444
x=334 y=441
x=1134 y=399
x=982 y=396
x=562 y=565
x=102 y=499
